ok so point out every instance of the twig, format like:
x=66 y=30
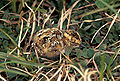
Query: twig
x=47 y=18
x=99 y=30
x=109 y=29
x=20 y=36
x=57 y=71
x=33 y=27
x=65 y=56
x=2 y=78
x=110 y=52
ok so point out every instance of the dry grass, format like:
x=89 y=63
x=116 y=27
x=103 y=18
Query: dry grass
x=65 y=68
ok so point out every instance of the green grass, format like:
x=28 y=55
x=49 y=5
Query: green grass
x=96 y=59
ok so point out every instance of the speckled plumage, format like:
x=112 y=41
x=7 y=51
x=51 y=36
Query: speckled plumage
x=48 y=41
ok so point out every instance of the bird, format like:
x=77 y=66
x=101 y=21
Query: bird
x=48 y=41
